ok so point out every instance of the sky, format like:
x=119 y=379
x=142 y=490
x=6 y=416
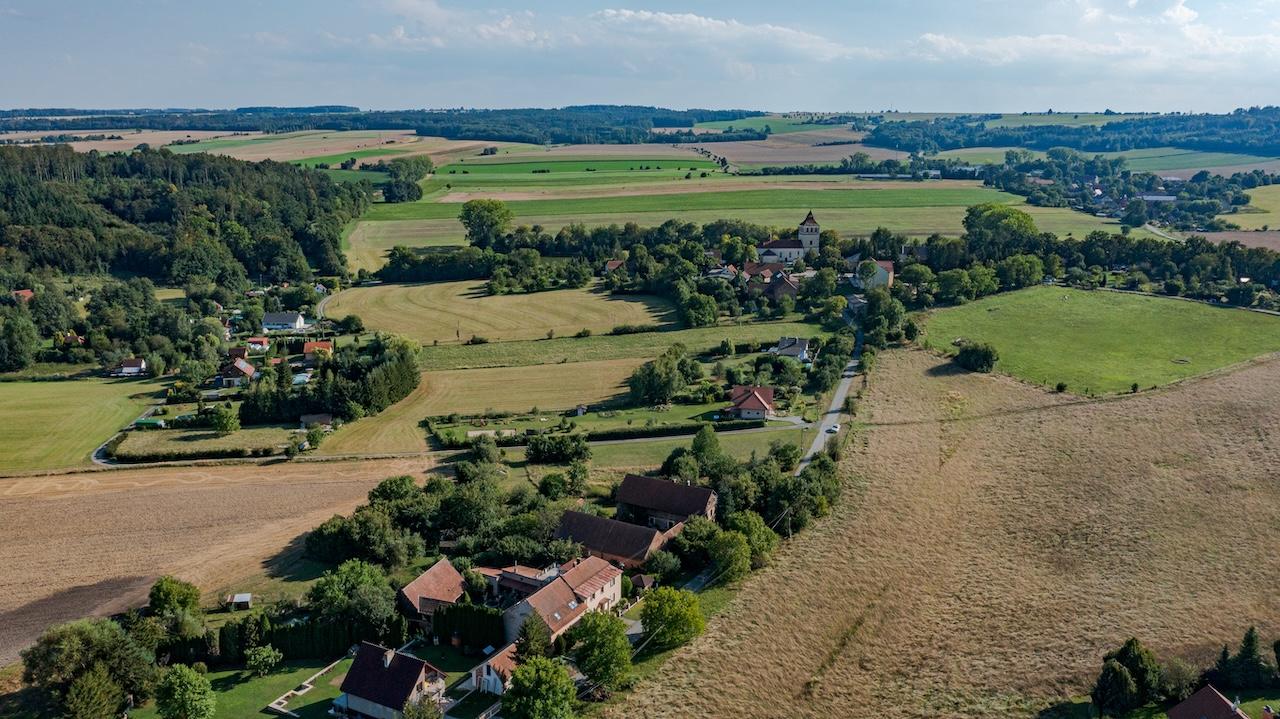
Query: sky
x=828 y=55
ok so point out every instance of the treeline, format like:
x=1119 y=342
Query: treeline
x=349 y=385
x=171 y=217
x=1255 y=130
x=575 y=124
x=689 y=136
x=860 y=163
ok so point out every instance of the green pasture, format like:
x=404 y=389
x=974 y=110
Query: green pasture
x=776 y=124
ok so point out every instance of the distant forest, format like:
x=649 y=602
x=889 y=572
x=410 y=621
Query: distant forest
x=1253 y=131
x=578 y=124
x=171 y=217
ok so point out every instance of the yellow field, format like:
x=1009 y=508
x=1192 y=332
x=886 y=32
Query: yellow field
x=455 y=311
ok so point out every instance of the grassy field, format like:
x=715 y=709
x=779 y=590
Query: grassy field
x=146 y=442
x=455 y=311
x=1263 y=210
x=1056 y=529
x=919 y=195
x=651 y=453
x=980 y=155
x=369 y=242
x=1069 y=119
x=584 y=165
x=778 y=124
x=1155 y=159
x=240 y=695
x=341 y=157
x=372 y=240
x=605 y=347
x=1102 y=342
x=49 y=425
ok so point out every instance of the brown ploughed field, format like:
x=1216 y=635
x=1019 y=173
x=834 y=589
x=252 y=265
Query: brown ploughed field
x=994 y=541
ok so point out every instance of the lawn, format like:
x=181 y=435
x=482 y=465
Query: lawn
x=910 y=195
x=339 y=158
x=650 y=453
x=584 y=165
x=51 y=425
x=447 y=312
x=192 y=442
x=1262 y=211
x=240 y=695
x=316 y=703
x=606 y=347
x=1102 y=342
x=368 y=243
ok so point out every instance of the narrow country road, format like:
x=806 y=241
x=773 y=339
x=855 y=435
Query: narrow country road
x=831 y=419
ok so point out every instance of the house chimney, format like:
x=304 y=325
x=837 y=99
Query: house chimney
x=386 y=658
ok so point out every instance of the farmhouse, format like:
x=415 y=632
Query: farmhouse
x=516 y=581
x=439 y=586
x=627 y=544
x=382 y=681
x=780 y=286
x=236 y=373
x=793 y=347
x=282 y=321
x=750 y=402
x=788 y=250
x=882 y=278
x=1208 y=703
x=662 y=504
x=581 y=586
x=493 y=676
x=312 y=350
x=131 y=367
x=613 y=265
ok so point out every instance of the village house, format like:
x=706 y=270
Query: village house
x=581 y=585
x=788 y=250
x=782 y=285
x=236 y=373
x=515 y=582
x=23 y=296
x=630 y=545
x=794 y=347
x=750 y=402
x=1208 y=703
x=493 y=675
x=728 y=273
x=312 y=350
x=258 y=344
x=236 y=353
x=662 y=504
x=440 y=586
x=283 y=321
x=131 y=367
x=882 y=278
x=381 y=682
x=613 y=265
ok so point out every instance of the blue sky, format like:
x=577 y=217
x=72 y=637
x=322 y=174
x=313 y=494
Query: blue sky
x=975 y=55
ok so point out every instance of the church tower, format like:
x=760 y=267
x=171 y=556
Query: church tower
x=809 y=233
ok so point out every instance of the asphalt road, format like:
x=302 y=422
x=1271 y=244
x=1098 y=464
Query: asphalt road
x=829 y=420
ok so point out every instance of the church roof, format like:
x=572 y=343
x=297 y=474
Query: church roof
x=808 y=220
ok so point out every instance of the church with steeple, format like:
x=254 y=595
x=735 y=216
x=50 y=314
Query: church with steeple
x=788 y=250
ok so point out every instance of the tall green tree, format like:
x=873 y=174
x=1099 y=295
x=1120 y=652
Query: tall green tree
x=540 y=689
x=672 y=617
x=170 y=594
x=533 y=640
x=1114 y=692
x=601 y=650
x=66 y=651
x=93 y=695
x=1142 y=665
x=485 y=221
x=184 y=693
x=356 y=591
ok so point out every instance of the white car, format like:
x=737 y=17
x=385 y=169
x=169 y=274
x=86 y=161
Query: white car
x=833 y=429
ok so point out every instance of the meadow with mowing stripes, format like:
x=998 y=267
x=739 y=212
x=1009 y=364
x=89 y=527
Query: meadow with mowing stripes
x=457 y=311
x=1262 y=211
x=50 y=425
x=1103 y=342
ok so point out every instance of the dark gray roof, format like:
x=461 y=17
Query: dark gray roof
x=389 y=684
x=607 y=536
x=661 y=495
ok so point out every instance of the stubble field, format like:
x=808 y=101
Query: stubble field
x=91 y=543
x=994 y=542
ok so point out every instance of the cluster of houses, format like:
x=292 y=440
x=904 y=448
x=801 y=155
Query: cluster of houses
x=650 y=512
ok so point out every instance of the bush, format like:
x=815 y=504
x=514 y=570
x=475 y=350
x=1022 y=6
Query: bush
x=672 y=617
x=1061 y=387
x=634 y=329
x=548 y=448
x=977 y=357
x=261 y=661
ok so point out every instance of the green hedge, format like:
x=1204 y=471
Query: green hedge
x=672 y=430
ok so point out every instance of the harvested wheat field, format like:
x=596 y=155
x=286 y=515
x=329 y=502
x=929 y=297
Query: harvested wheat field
x=517 y=389
x=1270 y=240
x=798 y=148
x=998 y=540
x=91 y=543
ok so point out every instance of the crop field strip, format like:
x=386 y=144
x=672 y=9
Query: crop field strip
x=1263 y=210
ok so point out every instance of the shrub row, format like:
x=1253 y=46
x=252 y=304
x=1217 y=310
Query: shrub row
x=174 y=455
x=672 y=430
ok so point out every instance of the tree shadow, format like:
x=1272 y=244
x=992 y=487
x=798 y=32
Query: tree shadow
x=950 y=369
x=229 y=681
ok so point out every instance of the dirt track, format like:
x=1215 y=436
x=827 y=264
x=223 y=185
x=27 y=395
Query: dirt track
x=997 y=541
x=91 y=543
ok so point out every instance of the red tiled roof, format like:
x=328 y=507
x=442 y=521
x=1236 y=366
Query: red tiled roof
x=758 y=398
x=503 y=662
x=557 y=604
x=23 y=295
x=258 y=341
x=241 y=366
x=886 y=264
x=588 y=576
x=1208 y=703
x=612 y=265
x=441 y=583
x=309 y=347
